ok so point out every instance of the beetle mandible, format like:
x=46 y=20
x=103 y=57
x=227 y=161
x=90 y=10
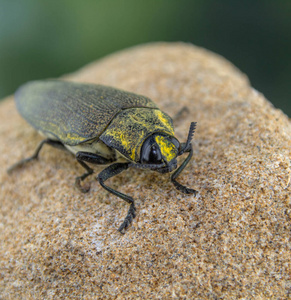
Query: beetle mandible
x=104 y=126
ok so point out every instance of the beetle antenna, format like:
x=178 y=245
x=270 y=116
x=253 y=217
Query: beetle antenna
x=190 y=136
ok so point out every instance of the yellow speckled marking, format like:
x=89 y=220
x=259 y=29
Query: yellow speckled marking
x=73 y=137
x=164 y=120
x=127 y=144
x=119 y=135
x=168 y=149
x=129 y=129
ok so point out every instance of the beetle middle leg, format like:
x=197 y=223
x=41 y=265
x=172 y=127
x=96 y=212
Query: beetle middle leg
x=89 y=157
x=109 y=172
x=50 y=142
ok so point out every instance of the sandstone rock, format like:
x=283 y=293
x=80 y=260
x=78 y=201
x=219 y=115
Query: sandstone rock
x=230 y=241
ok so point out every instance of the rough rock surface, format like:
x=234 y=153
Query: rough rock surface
x=232 y=240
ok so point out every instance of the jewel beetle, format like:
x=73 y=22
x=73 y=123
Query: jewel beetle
x=104 y=126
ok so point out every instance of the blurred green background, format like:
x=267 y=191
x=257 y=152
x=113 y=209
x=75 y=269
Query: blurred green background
x=40 y=39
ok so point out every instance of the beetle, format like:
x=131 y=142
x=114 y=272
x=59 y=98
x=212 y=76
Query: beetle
x=104 y=126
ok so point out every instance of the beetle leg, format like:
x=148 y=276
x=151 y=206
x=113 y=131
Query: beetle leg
x=178 y=185
x=91 y=158
x=183 y=112
x=109 y=172
x=83 y=189
x=53 y=143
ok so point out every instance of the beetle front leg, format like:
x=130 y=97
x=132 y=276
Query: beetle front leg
x=109 y=172
x=178 y=185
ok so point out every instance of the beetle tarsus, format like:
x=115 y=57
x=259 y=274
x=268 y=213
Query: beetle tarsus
x=128 y=219
x=82 y=188
x=183 y=188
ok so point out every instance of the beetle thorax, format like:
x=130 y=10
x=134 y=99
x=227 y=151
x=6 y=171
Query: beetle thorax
x=129 y=129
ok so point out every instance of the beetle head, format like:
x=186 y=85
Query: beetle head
x=159 y=152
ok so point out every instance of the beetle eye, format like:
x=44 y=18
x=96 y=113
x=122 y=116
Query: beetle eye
x=150 y=153
x=155 y=155
x=176 y=143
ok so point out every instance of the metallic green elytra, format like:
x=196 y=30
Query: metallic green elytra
x=104 y=126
